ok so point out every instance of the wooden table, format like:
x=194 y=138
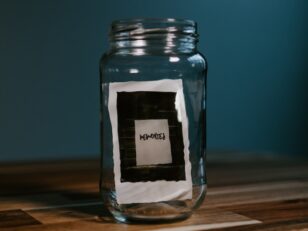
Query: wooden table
x=242 y=195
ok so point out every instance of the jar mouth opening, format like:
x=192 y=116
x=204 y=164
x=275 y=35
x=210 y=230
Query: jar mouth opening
x=133 y=28
x=170 y=21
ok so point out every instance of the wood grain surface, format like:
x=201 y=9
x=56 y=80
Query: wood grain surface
x=242 y=195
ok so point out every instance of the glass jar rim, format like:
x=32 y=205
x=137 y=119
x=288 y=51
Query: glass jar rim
x=139 y=26
x=178 y=21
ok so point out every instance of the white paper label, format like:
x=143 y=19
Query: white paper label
x=150 y=141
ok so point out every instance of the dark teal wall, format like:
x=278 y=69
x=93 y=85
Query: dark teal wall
x=49 y=50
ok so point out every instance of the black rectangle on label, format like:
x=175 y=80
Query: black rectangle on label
x=149 y=105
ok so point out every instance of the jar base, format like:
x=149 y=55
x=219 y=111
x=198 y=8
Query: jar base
x=162 y=212
x=158 y=212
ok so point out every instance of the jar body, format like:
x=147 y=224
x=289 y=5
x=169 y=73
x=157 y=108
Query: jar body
x=142 y=72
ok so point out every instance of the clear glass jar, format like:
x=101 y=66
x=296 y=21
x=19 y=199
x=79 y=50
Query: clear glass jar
x=153 y=120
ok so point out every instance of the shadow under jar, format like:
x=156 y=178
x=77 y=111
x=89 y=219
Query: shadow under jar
x=153 y=120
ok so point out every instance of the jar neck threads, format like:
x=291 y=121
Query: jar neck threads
x=148 y=36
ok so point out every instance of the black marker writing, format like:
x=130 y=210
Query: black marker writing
x=156 y=136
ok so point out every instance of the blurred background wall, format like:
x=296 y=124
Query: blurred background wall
x=49 y=81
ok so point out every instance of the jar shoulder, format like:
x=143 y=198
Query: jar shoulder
x=119 y=68
x=163 y=61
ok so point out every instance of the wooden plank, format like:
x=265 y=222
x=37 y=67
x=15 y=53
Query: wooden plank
x=48 y=177
x=296 y=225
x=15 y=218
x=242 y=196
x=274 y=211
x=201 y=217
x=228 y=174
x=54 y=215
x=251 y=199
x=32 y=201
x=216 y=197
